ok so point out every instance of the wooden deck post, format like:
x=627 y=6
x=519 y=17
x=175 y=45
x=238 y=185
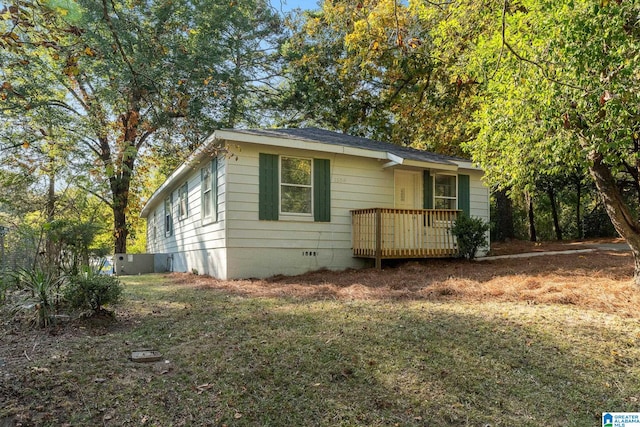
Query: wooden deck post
x=379 y=239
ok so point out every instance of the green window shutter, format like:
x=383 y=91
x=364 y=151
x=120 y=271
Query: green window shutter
x=464 y=198
x=321 y=190
x=428 y=190
x=268 y=187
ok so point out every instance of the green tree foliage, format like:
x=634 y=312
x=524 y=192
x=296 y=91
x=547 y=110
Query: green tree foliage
x=111 y=78
x=367 y=68
x=560 y=88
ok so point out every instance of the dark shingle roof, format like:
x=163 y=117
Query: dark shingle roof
x=335 y=138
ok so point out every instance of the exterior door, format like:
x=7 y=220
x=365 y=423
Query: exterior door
x=408 y=226
x=408 y=190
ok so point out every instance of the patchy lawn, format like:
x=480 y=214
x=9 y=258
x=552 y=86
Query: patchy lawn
x=551 y=340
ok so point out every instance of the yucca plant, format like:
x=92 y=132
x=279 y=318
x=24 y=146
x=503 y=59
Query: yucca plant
x=42 y=289
x=4 y=286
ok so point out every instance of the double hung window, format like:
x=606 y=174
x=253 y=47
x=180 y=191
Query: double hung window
x=209 y=189
x=183 y=201
x=168 y=216
x=445 y=194
x=295 y=186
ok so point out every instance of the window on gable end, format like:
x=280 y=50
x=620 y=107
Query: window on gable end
x=183 y=201
x=209 y=192
x=152 y=226
x=168 y=216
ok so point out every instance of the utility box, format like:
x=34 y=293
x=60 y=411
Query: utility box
x=129 y=264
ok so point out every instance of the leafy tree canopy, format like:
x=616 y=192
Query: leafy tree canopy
x=108 y=80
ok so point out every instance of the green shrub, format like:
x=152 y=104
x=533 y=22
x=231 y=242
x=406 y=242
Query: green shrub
x=90 y=290
x=470 y=234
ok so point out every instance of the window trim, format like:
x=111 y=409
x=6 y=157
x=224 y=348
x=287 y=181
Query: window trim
x=209 y=173
x=311 y=187
x=183 y=201
x=168 y=215
x=455 y=192
x=154 y=230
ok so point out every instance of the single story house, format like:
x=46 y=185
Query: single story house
x=258 y=203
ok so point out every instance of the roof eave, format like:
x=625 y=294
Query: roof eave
x=299 y=143
x=183 y=170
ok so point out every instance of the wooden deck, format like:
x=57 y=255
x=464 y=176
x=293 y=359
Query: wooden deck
x=382 y=233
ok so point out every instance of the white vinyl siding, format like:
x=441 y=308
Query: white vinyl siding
x=238 y=245
x=263 y=248
x=196 y=245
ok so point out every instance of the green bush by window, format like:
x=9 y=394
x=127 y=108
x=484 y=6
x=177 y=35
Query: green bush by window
x=471 y=234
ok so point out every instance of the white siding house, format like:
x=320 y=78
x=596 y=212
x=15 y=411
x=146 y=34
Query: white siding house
x=257 y=203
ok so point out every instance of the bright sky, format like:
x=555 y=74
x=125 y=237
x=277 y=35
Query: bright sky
x=286 y=5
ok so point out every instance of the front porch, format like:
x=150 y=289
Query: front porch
x=384 y=233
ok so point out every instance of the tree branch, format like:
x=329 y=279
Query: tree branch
x=114 y=33
x=536 y=64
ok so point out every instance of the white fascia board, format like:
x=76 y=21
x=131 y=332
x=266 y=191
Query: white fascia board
x=183 y=170
x=431 y=165
x=467 y=165
x=395 y=160
x=302 y=144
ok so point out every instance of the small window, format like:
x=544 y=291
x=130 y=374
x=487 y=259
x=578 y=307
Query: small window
x=208 y=189
x=295 y=185
x=183 y=201
x=154 y=233
x=445 y=192
x=168 y=217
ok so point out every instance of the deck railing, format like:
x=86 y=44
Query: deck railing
x=383 y=233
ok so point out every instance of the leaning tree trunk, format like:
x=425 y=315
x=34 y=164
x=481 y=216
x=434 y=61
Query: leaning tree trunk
x=619 y=213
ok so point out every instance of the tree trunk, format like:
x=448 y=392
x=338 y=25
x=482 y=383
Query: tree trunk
x=50 y=249
x=554 y=212
x=532 y=225
x=504 y=216
x=579 y=206
x=120 y=231
x=120 y=185
x=121 y=173
x=619 y=213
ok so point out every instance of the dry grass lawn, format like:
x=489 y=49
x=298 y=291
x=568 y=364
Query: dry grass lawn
x=549 y=340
